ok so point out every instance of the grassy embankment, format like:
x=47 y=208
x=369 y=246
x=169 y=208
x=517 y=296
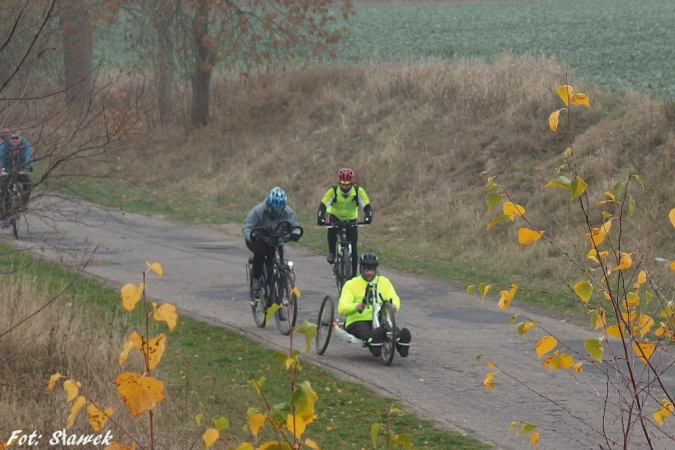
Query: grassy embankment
x=205 y=369
x=423 y=139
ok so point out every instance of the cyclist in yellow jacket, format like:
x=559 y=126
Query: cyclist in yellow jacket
x=359 y=317
x=342 y=201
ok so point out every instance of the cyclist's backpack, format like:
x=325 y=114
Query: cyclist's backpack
x=356 y=191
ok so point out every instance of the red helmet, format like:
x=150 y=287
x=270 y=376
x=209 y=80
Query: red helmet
x=4 y=133
x=346 y=176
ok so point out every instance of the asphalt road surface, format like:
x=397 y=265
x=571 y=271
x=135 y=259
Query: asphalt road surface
x=205 y=278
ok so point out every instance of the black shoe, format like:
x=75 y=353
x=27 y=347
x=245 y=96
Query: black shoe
x=331 y=258
x=282 y=314
x=375 y=349
x=403 y=342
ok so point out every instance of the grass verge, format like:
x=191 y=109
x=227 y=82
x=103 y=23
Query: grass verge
x=205 y=368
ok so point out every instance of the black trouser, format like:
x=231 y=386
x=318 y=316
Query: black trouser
x=353 y=237
x=363 y=329
x=261 y=251
x=4 y=191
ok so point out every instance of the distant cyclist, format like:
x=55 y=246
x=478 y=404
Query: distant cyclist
x=359 y=316
x=342 y=201
x=267 y=215
x=16 y=158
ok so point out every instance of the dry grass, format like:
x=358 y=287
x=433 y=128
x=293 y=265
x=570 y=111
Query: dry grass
x=62 y=339
x=423 y=139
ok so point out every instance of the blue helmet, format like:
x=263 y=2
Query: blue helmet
x=276 y=199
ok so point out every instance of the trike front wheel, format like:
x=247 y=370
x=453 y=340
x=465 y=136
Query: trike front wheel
x=324 y=325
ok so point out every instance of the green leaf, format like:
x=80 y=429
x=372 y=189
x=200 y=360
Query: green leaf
x=198 y=419
x=594 y=348
x=631 y=207
x=470 y=289
x=373 y=433
x=493 y=201
x=578 y=188
x=528 y=428
x=221 y=423
x=307 y=329
x=403 y=440
x=484 y=289
x=639 y=180
x=594 y=317
x=495 y=221
x=270 y=311
x=512 y=319
x=583 y=289
x=617 y=190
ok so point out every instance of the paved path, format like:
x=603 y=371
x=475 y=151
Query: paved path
x=205 y=278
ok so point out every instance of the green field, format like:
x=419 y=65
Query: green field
x=620 y=44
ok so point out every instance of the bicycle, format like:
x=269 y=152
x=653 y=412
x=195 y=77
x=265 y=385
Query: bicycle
x=278 y=281
x=14 y=204
x=342 y=268
x=383 y=315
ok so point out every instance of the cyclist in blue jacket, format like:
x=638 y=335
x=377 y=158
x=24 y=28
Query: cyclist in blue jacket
x=267 y=215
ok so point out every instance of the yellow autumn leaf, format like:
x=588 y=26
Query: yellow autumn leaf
x=666 y=410
x=613 y=331
x=672 y=266
x=671 y=216
x=156 y=350
x=77 y=406
x=583 y=289
x=71 y=389
x=511 y=210
x=135 y=341
x=632 y=300
x=245 y=446
x=565 y=92
x=505 y=297
x=139 y=394
x=545 y=345
x=565 y=361
x=610 y=195
x=311 y=444
x=641 y=279
x=601 y=320
x=155 y=267
x=597 y=237
x=131 y=295
x=553 y=120
x=534 y=437
x=166 y=313
x=487 y=382
x=210 y=437
x=527 y=236
x=52 y=380
x=576 y=368
x=96 y=417
x=255 y=423
x=295 y=424
x=548 y=360
x=580 y=99
x=624 y=262
x=296 y=291
x=644 y=351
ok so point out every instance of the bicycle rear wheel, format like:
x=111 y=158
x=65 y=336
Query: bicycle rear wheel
x=388 y=324
x=288 y=313
x=324 y=325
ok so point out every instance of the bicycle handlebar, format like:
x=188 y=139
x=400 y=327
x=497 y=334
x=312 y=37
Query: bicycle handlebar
x=345 y=224
x=281 y=234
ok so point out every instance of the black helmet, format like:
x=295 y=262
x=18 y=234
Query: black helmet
x=368 y=260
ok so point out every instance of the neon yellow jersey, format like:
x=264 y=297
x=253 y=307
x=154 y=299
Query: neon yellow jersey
x=353 y=292
x=345 y=207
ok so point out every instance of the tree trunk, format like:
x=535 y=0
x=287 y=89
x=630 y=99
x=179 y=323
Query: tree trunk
x=78 y=52
x=201 y=77
x=165 y=63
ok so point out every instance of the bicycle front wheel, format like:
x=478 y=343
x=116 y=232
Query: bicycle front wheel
x=288 y=313
x=388 y=324
x=324 y=325
x=259 y=309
